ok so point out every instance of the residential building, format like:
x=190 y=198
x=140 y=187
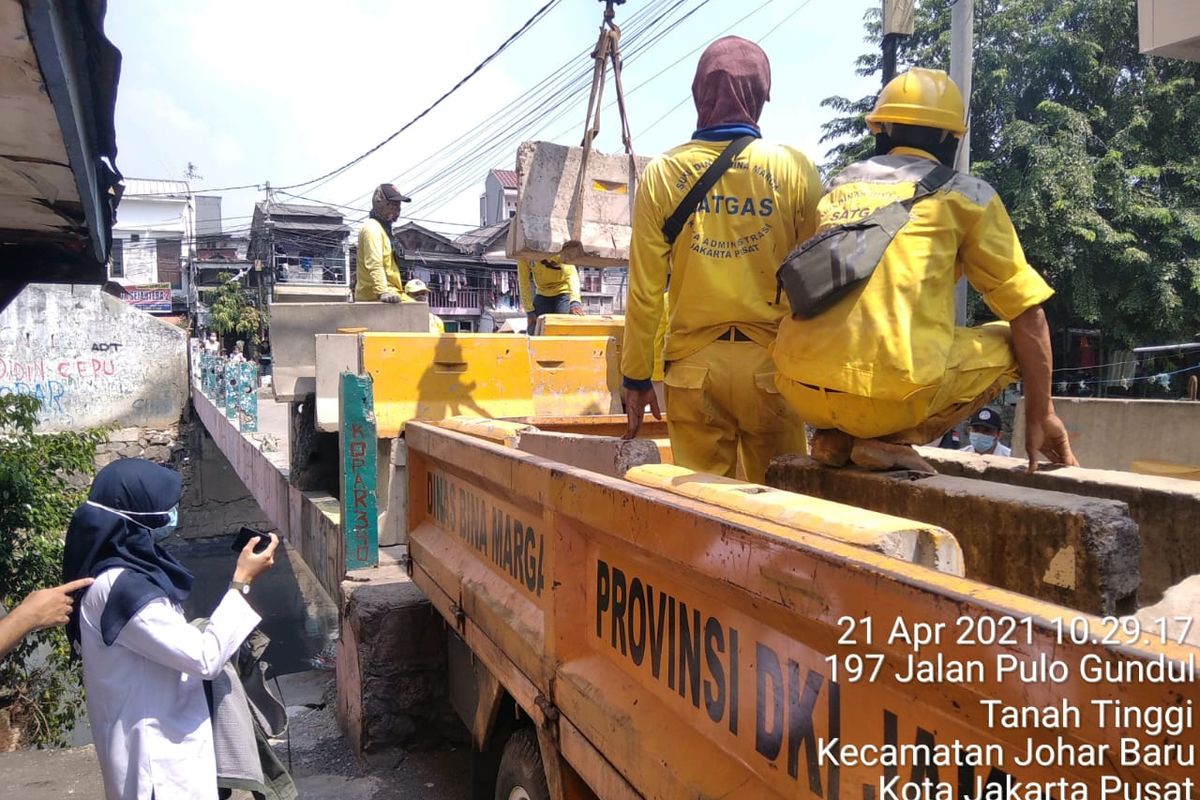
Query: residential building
x=297 y=243
x=153 y=238
x=499 y=199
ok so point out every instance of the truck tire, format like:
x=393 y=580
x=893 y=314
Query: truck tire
x=522 y=776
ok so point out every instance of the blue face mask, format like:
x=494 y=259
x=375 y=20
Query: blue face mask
x=166 y=530
x=982 y=442
x=159 y=533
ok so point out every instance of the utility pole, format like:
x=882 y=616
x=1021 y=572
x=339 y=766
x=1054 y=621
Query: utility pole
x=962 y=65
x=897 y=23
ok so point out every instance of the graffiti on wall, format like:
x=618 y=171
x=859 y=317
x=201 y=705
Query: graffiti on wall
x=53 y=381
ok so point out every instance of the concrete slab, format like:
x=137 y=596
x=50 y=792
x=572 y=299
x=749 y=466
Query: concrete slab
x=1080 y=552
x=547 y=211
x=905 y=539
x=606 y=455
x=336 y=353
x=297 y=293
x=1166 y=510
x=294 y=327
x=1112 y=434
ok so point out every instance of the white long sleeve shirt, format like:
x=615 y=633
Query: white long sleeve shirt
x=145 y=698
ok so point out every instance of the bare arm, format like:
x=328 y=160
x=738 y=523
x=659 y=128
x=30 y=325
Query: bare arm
x=1044 y=431
x=44 y=608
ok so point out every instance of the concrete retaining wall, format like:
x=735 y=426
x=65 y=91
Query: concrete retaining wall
x=93 y=360
x=1079 y=552
x=1166 y=510
x=1112 y=434
x=307 y=521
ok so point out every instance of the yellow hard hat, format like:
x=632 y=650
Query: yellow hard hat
x=415 y=286
x=925 y=97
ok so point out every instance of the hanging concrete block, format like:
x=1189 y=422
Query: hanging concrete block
x=548 y=178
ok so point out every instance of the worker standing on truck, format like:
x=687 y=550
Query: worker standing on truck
x=415 y=291
x=884 y=366
x=378 y=274
x=720 y=246
x=548 y=286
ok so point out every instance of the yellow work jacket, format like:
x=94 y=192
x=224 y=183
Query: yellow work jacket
x=722 y=266
x=435 y=322
x=377 y=271
x=537 y=278
x=893 y=337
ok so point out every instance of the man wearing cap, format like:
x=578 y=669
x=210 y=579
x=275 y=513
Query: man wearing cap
x=415 y=291
x=378 y=274
x=985 y=434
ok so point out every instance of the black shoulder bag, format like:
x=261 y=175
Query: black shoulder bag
x=831 y=264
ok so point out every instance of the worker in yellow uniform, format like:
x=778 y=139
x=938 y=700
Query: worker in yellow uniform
x=721 y=254
x=415 y=291
x=548 y=286
x=884 y=366
x=378 y=275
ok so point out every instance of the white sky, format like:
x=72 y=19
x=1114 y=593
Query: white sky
x=286 y=90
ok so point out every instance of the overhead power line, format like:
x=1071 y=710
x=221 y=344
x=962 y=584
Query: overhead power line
x=529 y=23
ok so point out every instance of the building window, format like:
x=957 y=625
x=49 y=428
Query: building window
x=135 y=237
x=169 y=268
x=116 y=256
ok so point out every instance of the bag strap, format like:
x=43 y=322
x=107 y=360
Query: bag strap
x=934 y=180
x=687 y=206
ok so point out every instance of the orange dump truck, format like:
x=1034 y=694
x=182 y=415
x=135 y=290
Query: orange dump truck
x=660 y=634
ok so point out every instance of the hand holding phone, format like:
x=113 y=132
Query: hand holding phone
x=245 y=535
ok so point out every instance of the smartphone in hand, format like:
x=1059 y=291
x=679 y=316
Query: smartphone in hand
x=245 y=535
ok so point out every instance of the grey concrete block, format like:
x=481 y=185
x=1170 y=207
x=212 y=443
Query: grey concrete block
x=607 y=455
x=294 y=327
x=1080 y=552
x=1166 y=510
x=549 y=176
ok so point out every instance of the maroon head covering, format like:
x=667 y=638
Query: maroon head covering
x=733 y=81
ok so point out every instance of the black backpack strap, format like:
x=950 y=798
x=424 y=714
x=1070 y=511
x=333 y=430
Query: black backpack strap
x=935 y=179
x=687 y=206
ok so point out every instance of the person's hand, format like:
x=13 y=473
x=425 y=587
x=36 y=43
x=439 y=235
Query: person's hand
x=577 y=310
x=251 y=564
x=1048 y=436
x=635 y=409
x=390 y=297
x=46 y=608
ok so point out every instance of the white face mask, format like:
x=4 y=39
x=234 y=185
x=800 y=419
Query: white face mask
x=159 y=533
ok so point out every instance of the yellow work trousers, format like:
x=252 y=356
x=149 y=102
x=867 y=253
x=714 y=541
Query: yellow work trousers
x=722 y=404
x=980 y=365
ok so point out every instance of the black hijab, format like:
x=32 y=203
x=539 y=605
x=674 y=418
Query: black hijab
x=98 y=539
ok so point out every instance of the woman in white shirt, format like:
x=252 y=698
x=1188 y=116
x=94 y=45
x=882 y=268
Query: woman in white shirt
x=143 y=663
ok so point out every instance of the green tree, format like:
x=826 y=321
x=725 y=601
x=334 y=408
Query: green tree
x=233 y=313
x=1094 y=148
x=40 y=488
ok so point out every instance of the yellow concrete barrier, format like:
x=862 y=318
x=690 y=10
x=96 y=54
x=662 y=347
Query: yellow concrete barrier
x=575 y=375
x=916 y=542
x=575 y=325
x=429 y=377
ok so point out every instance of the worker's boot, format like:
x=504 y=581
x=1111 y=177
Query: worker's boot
x=831 y=447
x=875 y=455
